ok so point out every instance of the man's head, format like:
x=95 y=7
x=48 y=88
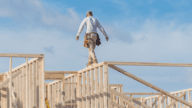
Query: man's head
x=89 y=13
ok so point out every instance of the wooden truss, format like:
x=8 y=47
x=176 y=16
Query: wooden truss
x=112 y=65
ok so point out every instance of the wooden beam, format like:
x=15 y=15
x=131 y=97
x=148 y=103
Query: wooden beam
x=7 y=81
x=10 y=83
x=54 y=76
x=1 y=77
x=21 y=55
x=149 y=85
x=176 y=100
x=150 y=64
x=129 y=99
x=61 y=72
x=142 y=93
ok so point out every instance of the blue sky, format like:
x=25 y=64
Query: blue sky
x=139 y=31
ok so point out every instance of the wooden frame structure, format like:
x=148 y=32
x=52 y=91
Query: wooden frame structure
x=25 y=87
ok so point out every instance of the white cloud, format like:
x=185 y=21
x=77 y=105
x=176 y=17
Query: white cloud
x=152 y=41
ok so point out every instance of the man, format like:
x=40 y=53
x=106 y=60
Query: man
x=91 y=35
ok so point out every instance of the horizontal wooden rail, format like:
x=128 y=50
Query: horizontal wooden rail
x=61 y=72
x=150 y=64
x=53 y=76
x=149 y=85
x=21 y=55
x=142 y=93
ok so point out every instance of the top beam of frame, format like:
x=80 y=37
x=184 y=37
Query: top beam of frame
x=150 y=64
x=21 y=55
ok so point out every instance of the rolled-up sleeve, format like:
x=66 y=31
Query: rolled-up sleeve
x=83 y=23
x=101 y=28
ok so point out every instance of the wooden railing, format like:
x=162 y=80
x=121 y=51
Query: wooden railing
x=86 y=89
x=27 y=85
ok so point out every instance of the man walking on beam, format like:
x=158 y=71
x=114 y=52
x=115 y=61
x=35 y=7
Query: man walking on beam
x=91 y=37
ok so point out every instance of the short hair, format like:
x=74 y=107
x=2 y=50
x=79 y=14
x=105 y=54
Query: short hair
x=90 y=12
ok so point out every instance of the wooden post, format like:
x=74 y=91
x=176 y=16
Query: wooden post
x=96 y=88
x=189 y=96
x=62 y=93
x=92 y=89
x=41 y=85
x=106 y=85
x=88 y=90
x=101 y=86
x=10 y=83
x=141 y=98
x=27 y=84
x=78 y=91
x=84 y=93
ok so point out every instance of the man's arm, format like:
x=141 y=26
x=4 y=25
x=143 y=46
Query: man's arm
x=102 y=30
x=81 y=27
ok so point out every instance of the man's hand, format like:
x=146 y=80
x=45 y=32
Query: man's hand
x=107 y=38
x=77 y=37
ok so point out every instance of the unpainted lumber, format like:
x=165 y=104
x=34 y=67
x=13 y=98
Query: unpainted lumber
x=96 y=88
x=150 y=85
x=21 y=55
x=170 y=104
x=92 y=89
x=150 y=64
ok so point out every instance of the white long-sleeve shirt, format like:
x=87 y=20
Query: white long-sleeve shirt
x=92 y=25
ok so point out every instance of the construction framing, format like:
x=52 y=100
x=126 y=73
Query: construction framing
x=25 y=87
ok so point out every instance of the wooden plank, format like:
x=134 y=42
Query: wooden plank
x=35 y=83
x=63 y=94
x=69 y=91
x=150 y=85
x=88 y=90
x=96 y=88
x=37 y=79
x=32 y=85
x=61 y=72
x=91 y=67
x=78 y=91
x=10 y=83
x=105 y=66
x=176 y=101
x=7 y=80
x=1 y=77
x=41 y=85
x=101 y=86
x=53 y=76
x=84 y=93
x=150 y=64
x=142 y=93
x=27 y=84
x=92 y=89
x=21 y=55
